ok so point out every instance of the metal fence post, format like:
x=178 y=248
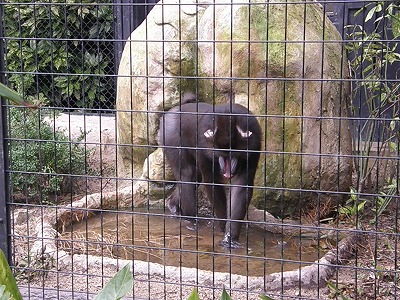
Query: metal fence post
x=128 y=16
x=4 y=217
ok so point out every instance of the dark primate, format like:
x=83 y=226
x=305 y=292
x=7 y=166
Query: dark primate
x=217 y=145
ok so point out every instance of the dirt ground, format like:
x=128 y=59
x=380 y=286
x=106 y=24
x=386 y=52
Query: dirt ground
x=373 y=273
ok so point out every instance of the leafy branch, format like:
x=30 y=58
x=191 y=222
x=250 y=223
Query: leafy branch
x=374 y=54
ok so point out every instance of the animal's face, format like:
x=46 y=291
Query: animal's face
x=221 y=138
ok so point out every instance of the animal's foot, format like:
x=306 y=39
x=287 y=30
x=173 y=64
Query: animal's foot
x=191 y=225
x=230 y=243
x=174 y=209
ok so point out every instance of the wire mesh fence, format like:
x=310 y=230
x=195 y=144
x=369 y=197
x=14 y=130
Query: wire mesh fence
x=247 y=146
x=61 y=54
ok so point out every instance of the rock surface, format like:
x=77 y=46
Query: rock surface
x=289 y=75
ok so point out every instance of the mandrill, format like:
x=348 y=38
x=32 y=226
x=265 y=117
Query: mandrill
x=215 y=145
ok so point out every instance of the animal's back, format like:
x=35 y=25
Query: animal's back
x=179 y=126
x=182 y=125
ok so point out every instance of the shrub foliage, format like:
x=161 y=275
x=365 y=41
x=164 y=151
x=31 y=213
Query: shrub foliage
x=61 y=50
x=43 y=160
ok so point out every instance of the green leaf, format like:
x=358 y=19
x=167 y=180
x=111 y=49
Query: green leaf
x=353 y=194
x=225 y=295
x=7 y=279
x=383 y=97
x=371 y=14
x=360 y=206
x=265 y=297
x=118 y=286
x=378 y=7
x=361 y=9
x=396 y=25
x=4 y=295
x=393 y=123
x=13 y=96
x=194 y=295
x=393 y=146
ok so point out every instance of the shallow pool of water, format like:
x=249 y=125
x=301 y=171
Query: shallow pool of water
x=160 y=238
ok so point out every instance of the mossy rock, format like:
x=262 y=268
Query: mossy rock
x=282 y=60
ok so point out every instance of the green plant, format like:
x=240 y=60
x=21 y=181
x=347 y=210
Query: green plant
x=383 y=201
x=115 y=289
x=354 y=206
x=337 y=291
x=118 y=286
x=373 y=53
x=43 y=160
x=61 y=50
x=224 y=295
x=14 y=97
x=195 y=295
x=8 y=286
x=4 y=295
x=265 y=297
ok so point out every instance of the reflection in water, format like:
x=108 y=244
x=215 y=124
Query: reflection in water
x=166 y=240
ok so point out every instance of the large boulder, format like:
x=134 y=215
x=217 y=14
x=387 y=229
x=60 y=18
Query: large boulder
x=282 y=60
x=150 y=78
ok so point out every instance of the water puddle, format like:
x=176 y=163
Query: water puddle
x=165 y=240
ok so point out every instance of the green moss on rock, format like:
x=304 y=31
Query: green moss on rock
x=263 y=42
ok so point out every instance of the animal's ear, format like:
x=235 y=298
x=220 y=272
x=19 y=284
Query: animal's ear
x=210 y=133
x=244 y=134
